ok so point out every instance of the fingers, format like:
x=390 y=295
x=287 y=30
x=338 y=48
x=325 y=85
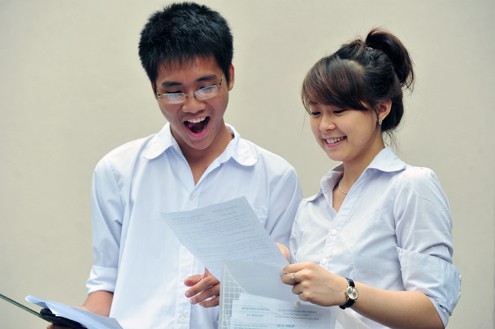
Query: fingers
x=212 y=302
x=52 y=326
x=291 y=278
x=205 y=291
x=315 y=284
x=208 y=297
x=200 y=284
x=294 y=274
x=192 y=280
x=297 y=267
x=284 y=250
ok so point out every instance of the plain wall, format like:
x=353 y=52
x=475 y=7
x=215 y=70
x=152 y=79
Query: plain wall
x=72 y=88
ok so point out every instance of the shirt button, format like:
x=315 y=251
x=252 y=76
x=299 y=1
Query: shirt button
x=324 y=261
x=334 y=232
x=182 y=318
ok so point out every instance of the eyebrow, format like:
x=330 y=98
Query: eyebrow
x=168 y=84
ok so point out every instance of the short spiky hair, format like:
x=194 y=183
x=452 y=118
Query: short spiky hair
x=182 y=32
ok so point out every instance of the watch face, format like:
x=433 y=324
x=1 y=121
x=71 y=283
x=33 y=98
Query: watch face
x=352 y=293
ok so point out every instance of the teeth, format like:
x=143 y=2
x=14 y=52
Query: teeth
x=197 y=120
x=333 y=140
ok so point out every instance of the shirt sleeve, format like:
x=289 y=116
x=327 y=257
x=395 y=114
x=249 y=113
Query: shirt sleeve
x=435 y=277
x=424 y=238
x=285 y=197
x=107 y=214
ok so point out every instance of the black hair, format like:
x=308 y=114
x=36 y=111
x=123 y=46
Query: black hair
x=361 y=74
x=182 y=32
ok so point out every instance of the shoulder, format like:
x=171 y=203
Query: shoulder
x=312 y=199
x=124 y=155
x=264 y=157
x=129 y=148
x=419 y=183
x=247 y=153
x=416 y=177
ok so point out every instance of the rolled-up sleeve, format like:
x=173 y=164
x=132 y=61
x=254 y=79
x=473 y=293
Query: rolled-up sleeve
x=101 y=278
x=437 y=278
x=107 y=212
x=424 y=236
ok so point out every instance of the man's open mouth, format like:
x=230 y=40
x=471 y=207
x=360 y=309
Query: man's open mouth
x=197 y=125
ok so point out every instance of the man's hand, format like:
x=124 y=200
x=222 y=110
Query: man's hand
x=52 y=326
x=205 y=289
x=98 y=302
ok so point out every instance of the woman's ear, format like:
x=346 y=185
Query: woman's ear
x=383 y=109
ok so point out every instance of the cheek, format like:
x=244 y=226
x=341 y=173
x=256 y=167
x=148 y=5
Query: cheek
x=314 y=123
x=361 y=135
x=315 y=128
x=219 y=107
x=168 y=112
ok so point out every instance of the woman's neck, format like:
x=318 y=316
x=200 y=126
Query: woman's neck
x=354 y=169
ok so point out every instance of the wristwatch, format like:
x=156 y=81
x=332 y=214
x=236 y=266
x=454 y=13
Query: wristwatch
x=351 y=294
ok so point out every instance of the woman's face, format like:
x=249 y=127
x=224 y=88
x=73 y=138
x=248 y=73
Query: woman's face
x=346 y=135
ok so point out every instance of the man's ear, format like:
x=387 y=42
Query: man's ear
x=153 y=88
x=232 y=77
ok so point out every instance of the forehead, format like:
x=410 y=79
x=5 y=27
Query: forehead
x=183 y=71
x=323 y=107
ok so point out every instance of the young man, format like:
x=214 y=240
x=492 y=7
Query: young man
x=141 y=275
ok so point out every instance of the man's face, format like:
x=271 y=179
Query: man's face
x=197 y=125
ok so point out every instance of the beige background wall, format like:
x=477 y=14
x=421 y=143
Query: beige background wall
x=71 y=89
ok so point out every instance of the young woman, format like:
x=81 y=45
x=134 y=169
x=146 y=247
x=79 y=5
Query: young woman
x=377 y=236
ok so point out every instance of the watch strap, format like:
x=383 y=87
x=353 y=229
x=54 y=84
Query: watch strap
x=350 y=301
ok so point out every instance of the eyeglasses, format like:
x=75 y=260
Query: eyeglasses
x=200 y=94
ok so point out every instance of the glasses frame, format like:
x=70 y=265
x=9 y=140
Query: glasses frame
x=182 y=97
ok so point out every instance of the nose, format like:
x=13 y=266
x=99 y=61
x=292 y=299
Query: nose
x=326 y=123
x=192 y=104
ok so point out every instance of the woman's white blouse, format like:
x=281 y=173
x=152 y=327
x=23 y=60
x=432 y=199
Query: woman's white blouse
x=393 y=231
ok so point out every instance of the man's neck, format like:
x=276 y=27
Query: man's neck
x=200 y=160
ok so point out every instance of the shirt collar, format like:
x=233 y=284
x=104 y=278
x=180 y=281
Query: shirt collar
x=240 y=150
x=386 y=161
x=237 y=149
x=160 y=142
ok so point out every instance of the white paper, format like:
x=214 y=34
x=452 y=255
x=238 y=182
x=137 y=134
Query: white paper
x=230 y=241
x=253 y=296
x=259 y=279
x=222 y=232
x=87 y=319
x=253 y=311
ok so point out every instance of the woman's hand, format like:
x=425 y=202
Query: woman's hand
x=394 y=309
x=284 y=250
x=315 y=284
